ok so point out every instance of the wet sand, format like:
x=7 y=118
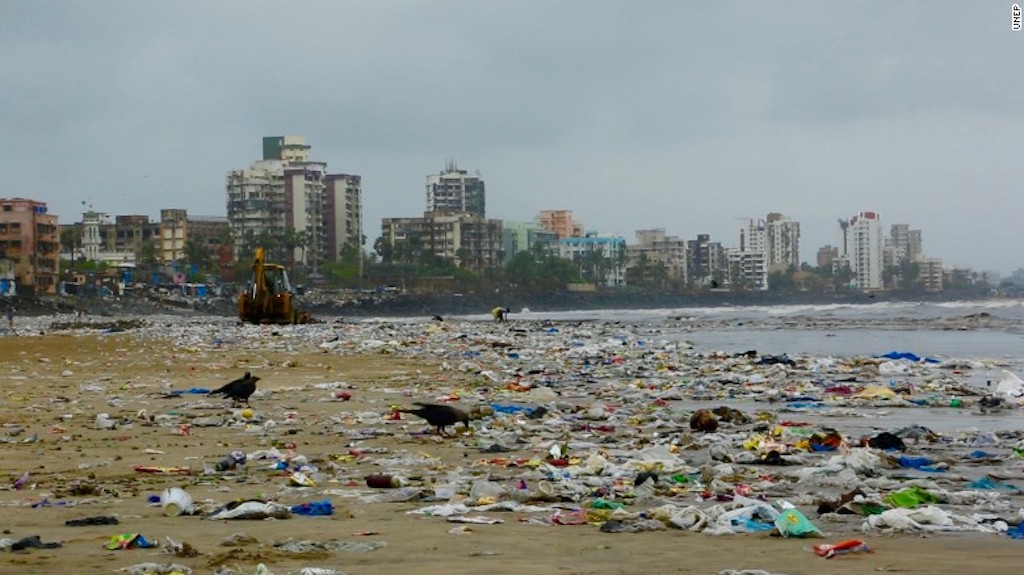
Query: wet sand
x=52 y=387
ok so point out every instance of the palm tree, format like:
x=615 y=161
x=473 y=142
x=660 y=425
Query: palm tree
x=70 y=239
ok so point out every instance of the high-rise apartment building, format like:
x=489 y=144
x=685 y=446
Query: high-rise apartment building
x=705 y=262
x=29 y=244
x=456 y=191
x=782 y=243
x=292 y=204
x=863 y=249
x=343 y=213
x=765 y=246
x=747 y=265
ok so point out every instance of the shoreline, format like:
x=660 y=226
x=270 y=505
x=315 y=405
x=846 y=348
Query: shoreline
x=414 y=305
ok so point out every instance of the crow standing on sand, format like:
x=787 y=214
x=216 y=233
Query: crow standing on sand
x=239 y=389
x=440 y=416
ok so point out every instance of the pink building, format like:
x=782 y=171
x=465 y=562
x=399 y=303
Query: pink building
x=560 y=222
x=30 y=242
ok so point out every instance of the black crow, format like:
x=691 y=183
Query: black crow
x=239 y=389
x=440 y=416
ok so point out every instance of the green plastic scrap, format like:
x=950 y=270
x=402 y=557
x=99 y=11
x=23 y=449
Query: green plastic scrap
x=910 y=498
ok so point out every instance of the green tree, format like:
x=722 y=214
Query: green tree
x=147 y=256
x=523 y=270
x=781 y=282
x=556 y=272
x=910 y=275
x=384 y=249
x=197 y=253
x=594 y=267
x=70 y=239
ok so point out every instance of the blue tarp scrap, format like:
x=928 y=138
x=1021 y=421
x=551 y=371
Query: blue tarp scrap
x=502 y=408
x=314 y=508
x=908 y=356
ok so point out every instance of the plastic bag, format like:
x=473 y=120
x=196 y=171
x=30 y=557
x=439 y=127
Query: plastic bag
x=910 y=498
x=792 y=523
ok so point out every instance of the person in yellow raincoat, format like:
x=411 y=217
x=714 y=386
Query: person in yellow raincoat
x=500 y=314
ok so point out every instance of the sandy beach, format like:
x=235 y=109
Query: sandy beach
x=52 y=387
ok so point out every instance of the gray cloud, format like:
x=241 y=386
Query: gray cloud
x=685 y=116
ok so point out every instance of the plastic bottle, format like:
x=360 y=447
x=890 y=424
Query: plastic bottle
x=176 y=501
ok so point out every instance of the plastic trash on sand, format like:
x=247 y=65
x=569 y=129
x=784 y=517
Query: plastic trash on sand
x=129 y=541
x=1011 y=386
x=485 y=492
x=176 y=501
x=830 y=550
x=928 y=518
x=252 y=510
x=150 y=568
x=875 y=392
x=792 y=523
x=910 y=497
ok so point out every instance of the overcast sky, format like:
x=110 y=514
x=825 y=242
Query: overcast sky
x=687 y=116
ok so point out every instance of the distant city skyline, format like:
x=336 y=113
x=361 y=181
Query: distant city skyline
x=682 y=116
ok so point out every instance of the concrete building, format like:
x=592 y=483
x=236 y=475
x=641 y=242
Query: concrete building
x=827 y=255
x=527 y=237
x=470 y=241
x=747 y=265
x=304 y=214
x=863 y=250
x=753 y=237
x=782 y=243
x=343 y=214
x=903 y=251
x=292 y=204
x=903 y=244
x=747 y=269
x=173 y=234
x=96 y=238
x=30 y=246
x=706 y=265
x=456 y=191
x=256 y=203
x=765 y=246
x=930 y=274
x=92 y=237
x=611 y=249
x=561 y=222
x=653 y=247
x=118 y=242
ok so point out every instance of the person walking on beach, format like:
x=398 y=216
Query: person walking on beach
x=10 y=317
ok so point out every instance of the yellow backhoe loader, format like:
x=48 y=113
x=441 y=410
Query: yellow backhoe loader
x=269 y=298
